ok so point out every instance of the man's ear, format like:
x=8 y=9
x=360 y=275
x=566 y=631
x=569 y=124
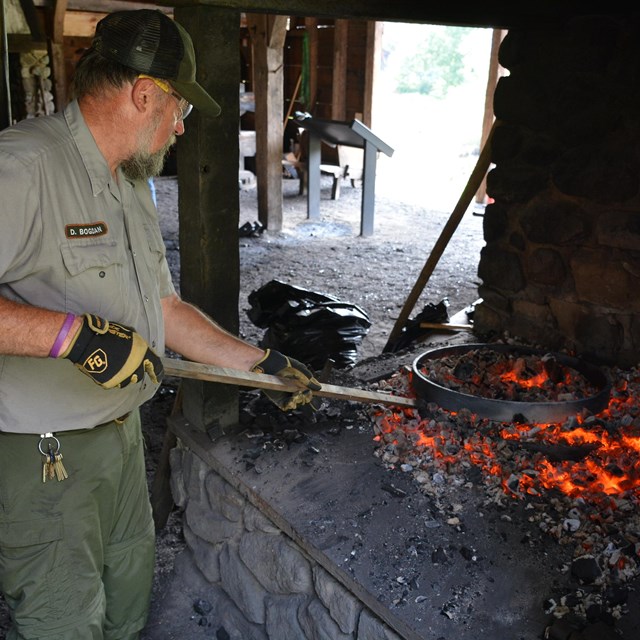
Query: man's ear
x=141 y=93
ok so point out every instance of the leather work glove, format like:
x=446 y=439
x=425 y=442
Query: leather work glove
x=111 y=354
x=276 y=364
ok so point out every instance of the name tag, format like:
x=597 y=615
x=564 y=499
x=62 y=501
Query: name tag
x=91 y=230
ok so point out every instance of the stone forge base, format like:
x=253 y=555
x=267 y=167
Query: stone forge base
x=317 y=540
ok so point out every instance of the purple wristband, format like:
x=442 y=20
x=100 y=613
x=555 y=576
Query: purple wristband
x=64 y=332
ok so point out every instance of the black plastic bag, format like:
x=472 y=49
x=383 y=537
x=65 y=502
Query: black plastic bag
x=309 y=326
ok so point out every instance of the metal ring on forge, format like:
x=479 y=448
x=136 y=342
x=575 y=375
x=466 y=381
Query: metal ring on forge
x=507 y=410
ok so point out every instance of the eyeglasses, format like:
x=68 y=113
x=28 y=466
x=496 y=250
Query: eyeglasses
x=184 y=106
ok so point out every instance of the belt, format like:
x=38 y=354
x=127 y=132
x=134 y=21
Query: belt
x=121 y=420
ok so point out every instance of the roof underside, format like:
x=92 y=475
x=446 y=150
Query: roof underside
x=488 y=13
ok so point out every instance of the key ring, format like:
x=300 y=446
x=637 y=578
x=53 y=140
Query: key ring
x=52 y=466
x=48 y=436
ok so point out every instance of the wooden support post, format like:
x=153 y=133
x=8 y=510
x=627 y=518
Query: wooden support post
x=56 y=54
x=477 y=175
x=339 y=79
x=267 y=36
x=374 y=47
x=208 y=200
x=311 y=25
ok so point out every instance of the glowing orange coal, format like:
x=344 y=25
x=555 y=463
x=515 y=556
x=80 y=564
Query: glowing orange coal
x=535 y=381
x=596 y=458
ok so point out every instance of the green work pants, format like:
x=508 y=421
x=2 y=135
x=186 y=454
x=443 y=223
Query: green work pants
x=77 y=555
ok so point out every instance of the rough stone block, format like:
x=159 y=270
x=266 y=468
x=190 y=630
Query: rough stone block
x=277 y=563
x=342 y=605
x=241 y=585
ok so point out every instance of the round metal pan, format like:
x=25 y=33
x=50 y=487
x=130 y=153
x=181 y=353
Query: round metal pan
x=507 y=410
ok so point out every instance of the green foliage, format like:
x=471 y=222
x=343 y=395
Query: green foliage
x=436 y=65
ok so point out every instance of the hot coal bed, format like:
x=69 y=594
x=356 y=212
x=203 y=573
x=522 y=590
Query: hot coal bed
x=378 y=523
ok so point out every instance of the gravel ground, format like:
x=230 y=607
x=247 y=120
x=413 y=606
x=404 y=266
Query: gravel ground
x=329 y=256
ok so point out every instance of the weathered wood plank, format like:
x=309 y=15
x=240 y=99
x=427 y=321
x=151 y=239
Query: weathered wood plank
x=339 y=80
x=269 y=97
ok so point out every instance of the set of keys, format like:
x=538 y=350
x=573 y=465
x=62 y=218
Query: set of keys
x=52 y=466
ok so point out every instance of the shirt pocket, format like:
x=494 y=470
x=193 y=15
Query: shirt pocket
x=96 y=277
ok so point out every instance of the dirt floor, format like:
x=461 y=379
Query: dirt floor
x=376 y=273
x=329 y=256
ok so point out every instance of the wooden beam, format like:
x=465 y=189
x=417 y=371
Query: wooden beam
x=488 y=118
x=269 y=99
x=109 y=6
x=57 y=23
x=339 y=80
x=490 y=13
x=208 y=200
x=80 y=24
x=29 y=10
x=56 y=54
x=277 y=31
x=372 y=64
x=22 y=42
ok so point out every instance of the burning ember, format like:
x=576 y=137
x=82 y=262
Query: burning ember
x=579 y=478
x=509 y=376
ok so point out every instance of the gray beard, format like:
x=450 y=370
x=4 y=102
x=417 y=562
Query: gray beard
x=142 y=165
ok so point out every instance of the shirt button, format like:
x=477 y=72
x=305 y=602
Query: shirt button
x=153 y=344
x=102 y=274
x=146 y=298
x=133 y=253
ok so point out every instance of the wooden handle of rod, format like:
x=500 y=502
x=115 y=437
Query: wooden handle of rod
x=211 y=373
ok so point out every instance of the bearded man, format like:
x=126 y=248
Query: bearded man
x=87 y=305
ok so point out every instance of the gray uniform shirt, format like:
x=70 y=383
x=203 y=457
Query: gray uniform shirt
x=74 y=239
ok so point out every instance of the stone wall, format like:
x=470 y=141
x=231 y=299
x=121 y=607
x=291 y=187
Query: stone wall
x=254 y=581
x=561 y=265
